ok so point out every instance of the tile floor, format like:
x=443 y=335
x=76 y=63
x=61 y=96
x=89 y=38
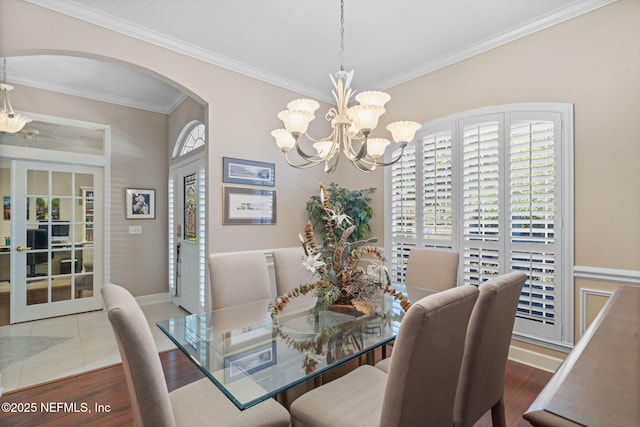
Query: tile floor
x=90 y=345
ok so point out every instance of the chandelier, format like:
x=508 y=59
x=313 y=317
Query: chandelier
x=10 y=121
x=351 y=125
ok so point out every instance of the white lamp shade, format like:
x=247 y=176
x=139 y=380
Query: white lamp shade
x=373 y=98
x=323 y=148
x=308 y=105
x=12 y=124
x=10 y=121
x=284 y=139
x=296 y=121
x=376 y=146
x=403 y=131
x=365 y=117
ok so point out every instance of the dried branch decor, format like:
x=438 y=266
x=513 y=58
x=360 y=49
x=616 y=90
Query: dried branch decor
x=348 y=272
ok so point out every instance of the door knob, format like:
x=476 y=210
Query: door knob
x=22 y=248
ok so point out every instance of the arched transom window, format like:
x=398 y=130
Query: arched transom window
x=191 y=137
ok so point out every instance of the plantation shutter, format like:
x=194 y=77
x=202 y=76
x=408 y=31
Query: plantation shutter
x=403 y=212
x=437 y=189
x=492 y=184
x=480 y=201
x=533 y=204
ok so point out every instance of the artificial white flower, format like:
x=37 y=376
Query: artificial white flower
x=339 y=217
x=377 y=270
x=313 y=262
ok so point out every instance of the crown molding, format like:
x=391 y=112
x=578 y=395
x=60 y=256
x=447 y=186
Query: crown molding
x=97 y=18
x=575 y=10
x=127 y=28
x=102 y=96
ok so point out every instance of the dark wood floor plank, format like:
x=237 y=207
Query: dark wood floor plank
x=107 y=386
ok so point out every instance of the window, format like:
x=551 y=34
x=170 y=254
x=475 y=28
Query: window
x=191 y=137
x=494 y=184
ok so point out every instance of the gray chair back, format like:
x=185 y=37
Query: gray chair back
x=238 y=279
x=481 y=383
x=427 y=355
x=290 y=273
x=150 y=402
x=435 y=269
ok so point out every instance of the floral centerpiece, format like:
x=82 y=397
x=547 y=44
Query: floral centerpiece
x=349 y=273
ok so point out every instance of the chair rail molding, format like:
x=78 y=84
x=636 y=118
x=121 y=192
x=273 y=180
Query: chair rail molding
x=630 y=277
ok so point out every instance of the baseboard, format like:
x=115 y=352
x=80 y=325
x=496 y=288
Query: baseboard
x=153 y=298
x=534 y=359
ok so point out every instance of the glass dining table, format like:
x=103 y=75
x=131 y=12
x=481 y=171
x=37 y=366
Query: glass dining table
x=251 y=355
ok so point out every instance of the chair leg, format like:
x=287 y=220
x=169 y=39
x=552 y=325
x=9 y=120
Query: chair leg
x=498 y=414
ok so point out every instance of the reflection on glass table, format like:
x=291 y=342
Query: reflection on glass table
x=252 y=356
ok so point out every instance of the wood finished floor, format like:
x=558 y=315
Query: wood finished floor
x=107 y=386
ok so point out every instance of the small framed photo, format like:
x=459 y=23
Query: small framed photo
x=249 y=206
x=141 y=203
x=240 y=171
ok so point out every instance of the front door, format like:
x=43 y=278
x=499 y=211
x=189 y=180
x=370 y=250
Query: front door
x=56 y=234
x=188 y=215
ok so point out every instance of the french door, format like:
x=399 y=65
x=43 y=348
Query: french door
x=56 y=236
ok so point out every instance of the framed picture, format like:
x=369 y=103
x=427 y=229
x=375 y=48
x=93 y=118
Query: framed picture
x=248 y=206
x=249 y=361
x=240 y=171
x=141 y=203
x=6 y=207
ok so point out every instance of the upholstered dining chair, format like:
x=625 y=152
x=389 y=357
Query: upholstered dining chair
x=430 y=269
x=435 y=269
x=481 y=383
x=198 y=403
x=290 y=273
x=421 y=385
x=238 y=278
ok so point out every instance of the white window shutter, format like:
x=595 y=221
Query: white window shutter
x=403 y=211
x=437 y=188
x=493 y=184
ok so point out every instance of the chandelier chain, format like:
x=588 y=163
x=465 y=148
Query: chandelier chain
x=4 y=70
x=341 y=35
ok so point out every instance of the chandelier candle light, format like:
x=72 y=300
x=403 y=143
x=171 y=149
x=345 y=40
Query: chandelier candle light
x=351 y=125
x=10 y=121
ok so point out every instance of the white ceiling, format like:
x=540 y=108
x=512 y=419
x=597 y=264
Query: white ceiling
x=291 y=43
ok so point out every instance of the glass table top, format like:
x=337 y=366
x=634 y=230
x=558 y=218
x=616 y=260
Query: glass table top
x=252 y=356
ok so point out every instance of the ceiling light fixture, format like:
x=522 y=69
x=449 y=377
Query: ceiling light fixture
x=10 y=121
x=349 y=124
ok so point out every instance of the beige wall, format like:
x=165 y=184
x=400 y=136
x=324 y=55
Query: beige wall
x=592 y=61
x=240 y=113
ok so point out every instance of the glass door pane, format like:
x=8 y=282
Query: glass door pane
x=5 y=244
x=59 y=247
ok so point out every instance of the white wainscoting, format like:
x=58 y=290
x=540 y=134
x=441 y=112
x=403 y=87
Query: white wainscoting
x=584 y=294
